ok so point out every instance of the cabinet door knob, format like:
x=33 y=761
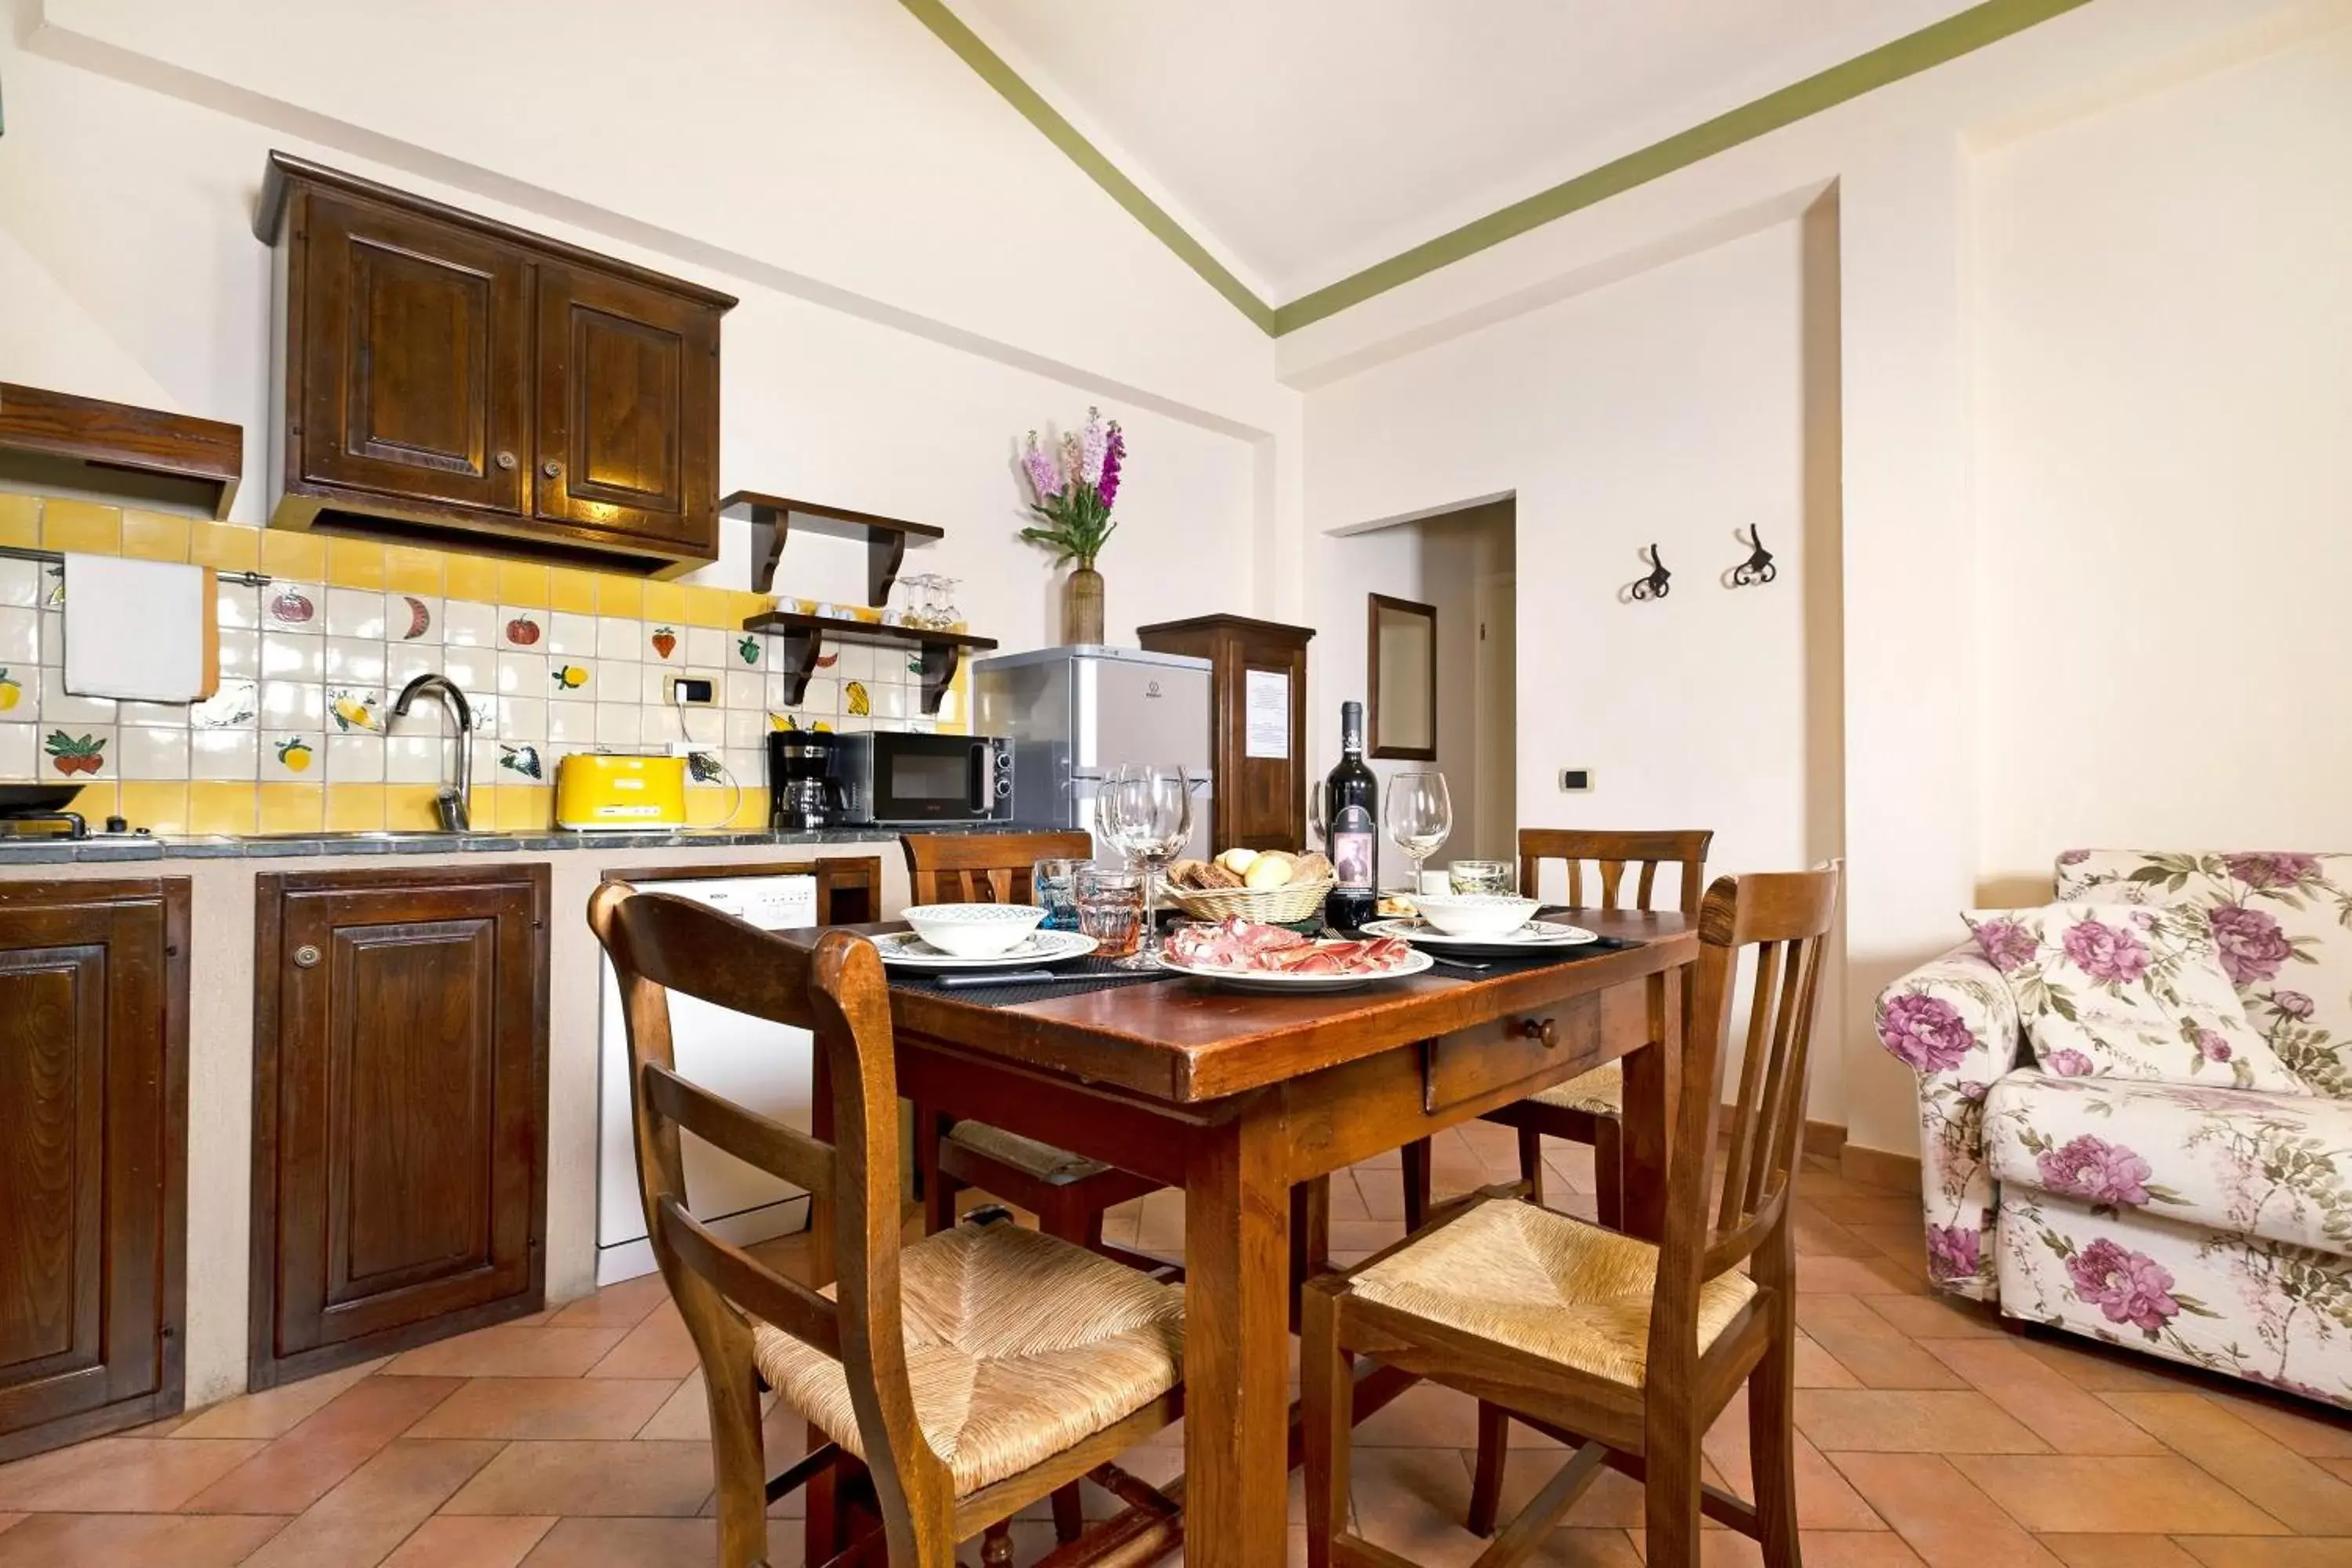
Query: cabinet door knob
x=506 y=460
x=551 y=468
x=1546 y=1029
x=306 y=957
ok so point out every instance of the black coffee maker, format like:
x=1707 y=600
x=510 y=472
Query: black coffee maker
x=804 y=791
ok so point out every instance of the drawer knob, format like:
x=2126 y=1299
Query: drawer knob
x=506 y=460
x=551 y=468
x=1544 y=1029
x=306 y=957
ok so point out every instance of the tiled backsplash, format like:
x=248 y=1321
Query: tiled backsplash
x=299 y=734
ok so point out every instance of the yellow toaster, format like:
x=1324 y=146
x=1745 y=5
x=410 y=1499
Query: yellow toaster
x=600 y=792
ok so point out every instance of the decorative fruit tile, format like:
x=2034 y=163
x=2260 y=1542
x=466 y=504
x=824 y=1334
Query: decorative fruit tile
x=749 y=652
x=520 y=762
x=234 y=706
x=662 y=643
x=291 y=757
x=77 y=750
x=293 y=607
x=573 y=677
x=411 y=618
x=355 y=613
x=356 y=710
x=16 y=700
x=522 y=628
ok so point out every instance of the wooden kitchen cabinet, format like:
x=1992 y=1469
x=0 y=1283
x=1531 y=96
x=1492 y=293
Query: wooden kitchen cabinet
x=400 y=1123
x=445 y=375
x=93 y=1156
x=1261 y=786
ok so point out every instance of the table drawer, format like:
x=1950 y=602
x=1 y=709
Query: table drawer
x=1533 y=1050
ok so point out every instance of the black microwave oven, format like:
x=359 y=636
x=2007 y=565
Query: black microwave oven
x=891 y=776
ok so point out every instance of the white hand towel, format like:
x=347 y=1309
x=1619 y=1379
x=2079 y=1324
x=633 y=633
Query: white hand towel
x=140 y=630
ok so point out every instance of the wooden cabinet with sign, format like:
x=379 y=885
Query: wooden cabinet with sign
x=400 y=1094
x=445 y=376
x=93 y=1156
x=1258 y=708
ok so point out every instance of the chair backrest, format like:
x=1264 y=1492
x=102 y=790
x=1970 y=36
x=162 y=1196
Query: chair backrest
x=1611 y=853
x=659 y=944
x=1784 y=918
x=984 y=867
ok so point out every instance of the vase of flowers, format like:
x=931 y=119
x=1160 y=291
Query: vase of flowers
x=1075 y=488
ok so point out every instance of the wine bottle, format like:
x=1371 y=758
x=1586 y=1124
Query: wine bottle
x=1350 y=814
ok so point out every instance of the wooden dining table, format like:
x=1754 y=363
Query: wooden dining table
x=1246 y=1101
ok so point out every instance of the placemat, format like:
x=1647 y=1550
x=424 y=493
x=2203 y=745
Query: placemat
x=1102 y=974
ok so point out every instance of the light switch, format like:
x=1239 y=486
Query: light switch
x=690 y=691
x=1575 y=780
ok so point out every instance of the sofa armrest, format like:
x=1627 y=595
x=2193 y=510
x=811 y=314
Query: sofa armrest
x=1954 y=1021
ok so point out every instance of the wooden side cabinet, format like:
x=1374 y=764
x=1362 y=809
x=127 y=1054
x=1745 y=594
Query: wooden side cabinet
x=93 y=1157
x=1259 y=758
x=400 y=1109
x=442 y=374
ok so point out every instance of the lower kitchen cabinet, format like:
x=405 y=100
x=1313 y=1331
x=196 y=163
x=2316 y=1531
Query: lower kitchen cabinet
x=93 y=1156
x=400 y=1109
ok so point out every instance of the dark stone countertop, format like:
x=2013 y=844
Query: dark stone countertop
x=35 y=850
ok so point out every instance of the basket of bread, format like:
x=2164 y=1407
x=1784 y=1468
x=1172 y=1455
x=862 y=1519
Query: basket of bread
x=1271 y=885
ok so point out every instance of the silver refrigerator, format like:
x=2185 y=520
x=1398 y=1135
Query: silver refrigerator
x=1075 y=713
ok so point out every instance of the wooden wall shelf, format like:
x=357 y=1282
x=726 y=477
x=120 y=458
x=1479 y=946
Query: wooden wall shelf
x=199 y=461
x=942 y=652
x=886 y=538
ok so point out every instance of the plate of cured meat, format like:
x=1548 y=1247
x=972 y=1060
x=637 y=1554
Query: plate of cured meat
x=1248 y=956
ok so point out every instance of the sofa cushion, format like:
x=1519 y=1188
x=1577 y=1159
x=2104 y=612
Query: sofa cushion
x=2131 y=991
x=2285 y=925
x=2274 y=1166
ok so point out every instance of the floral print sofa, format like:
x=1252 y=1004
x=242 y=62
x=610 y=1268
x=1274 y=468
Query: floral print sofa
x=2210 y=1224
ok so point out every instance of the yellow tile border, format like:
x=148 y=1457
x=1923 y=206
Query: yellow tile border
x=355 y=563
x=77 y=525
x=290 y=807
x=621 y=596
x=153 y=536
x=301 y=557
x=222 y=807
x=355 y=807
x=522 y=583
x=20 y=522
x=224 y=546
x=571 y=590
x=474 y=578
x=412 y=569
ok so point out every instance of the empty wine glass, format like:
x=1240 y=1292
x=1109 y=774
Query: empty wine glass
x=1146 y=811
x=1420 y=815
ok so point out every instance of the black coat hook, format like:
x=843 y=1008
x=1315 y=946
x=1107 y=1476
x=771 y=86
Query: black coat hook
x=1757 y=568
x=1655 y=586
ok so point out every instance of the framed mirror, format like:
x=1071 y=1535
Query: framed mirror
x=1401 y=701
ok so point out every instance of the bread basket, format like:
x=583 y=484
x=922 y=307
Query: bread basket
x=1270 y=906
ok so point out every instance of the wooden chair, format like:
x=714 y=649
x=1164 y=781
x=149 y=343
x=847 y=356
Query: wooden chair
x=1624 y=1351
x=943 y=1372
x=1067 y=1192
x=1586 y=1110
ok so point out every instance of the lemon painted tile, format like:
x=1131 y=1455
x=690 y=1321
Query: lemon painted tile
x=355 y=710
x=20 y=522
x=153 y=536
x=83 y=526
x=291 y=807
x=225 y=809
x=287 y=756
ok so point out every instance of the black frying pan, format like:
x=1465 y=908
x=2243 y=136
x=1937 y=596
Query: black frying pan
x=36 y=799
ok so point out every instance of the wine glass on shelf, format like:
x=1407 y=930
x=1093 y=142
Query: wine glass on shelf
x=1146 y=812
x=1420 y=815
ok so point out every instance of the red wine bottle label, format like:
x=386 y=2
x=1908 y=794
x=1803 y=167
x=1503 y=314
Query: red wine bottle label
x=1351 y=859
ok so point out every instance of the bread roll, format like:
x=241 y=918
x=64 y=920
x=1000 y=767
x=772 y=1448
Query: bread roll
x=1238 y=861
x=1186 y=873
x=1310 y=868
x=1269 y=871
x=1214 y=876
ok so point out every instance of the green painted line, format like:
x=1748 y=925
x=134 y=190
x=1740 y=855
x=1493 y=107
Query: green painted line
x=1956 y=35
x=950 y=31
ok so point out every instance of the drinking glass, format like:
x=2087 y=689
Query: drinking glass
x=1054 y=887
x=1146 y=810
x=1420 y=813
x=1481 y=877
x=1110 y=909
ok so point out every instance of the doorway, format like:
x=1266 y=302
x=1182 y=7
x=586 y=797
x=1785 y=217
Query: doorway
x=1495 y=604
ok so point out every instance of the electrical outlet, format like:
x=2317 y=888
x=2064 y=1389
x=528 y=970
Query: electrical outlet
x=690 y=691
x=1575 y=780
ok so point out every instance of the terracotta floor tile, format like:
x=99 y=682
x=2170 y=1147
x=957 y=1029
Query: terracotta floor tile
x=512 y=1349
x=548 y=1407
x=597 y=1478
x=1861 y=1210
x=2061 y=1494
x=1858 y=1549
x=2118 y=1551
x=2310 y=1430
x=1411 y=1501
x=2283 y=1484
x=8 y=1518
x=1818 y=1236
x=120 y=1475
x=1426 y=1415
x=1937 y=1317
x=2087 y=1367
x=683 y=1417
x=451 y=1542
x=1824 y=1500
x=1910 y=1421
x=299 y=1468
x=2255 y=1552
x=274 y=1412
x=634 y=1542
x=118 y=1539
x=658 y=1347
x=2062 y=1416
x=1939 y=1514
x=361 y=1520
x=1816 y=1368
x=1859 y=1276
x=619 y=1306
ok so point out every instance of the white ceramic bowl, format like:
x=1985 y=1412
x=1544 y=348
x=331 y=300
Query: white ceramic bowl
x=1474 y=914
x=974 y=931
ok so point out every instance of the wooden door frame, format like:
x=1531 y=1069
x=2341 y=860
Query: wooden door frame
x=265 y=1367
x=1484 y=591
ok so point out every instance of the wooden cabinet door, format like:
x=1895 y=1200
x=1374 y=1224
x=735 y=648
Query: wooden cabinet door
x=628 y=410
x=401 y=1050
x=93 y=1122
x=412 y=356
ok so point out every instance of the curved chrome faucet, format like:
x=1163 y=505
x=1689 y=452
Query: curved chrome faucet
x=450 y=802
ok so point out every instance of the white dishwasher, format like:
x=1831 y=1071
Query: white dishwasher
x=755 y=1063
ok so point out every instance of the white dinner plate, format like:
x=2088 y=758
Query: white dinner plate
x=1535 y=936
x=905 y=950
x=1269 y=980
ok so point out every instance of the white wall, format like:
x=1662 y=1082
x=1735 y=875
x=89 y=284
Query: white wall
x=2164 y=460
x=1671 y=407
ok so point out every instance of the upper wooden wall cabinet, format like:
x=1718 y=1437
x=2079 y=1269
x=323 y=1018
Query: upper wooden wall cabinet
x=441 y=374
